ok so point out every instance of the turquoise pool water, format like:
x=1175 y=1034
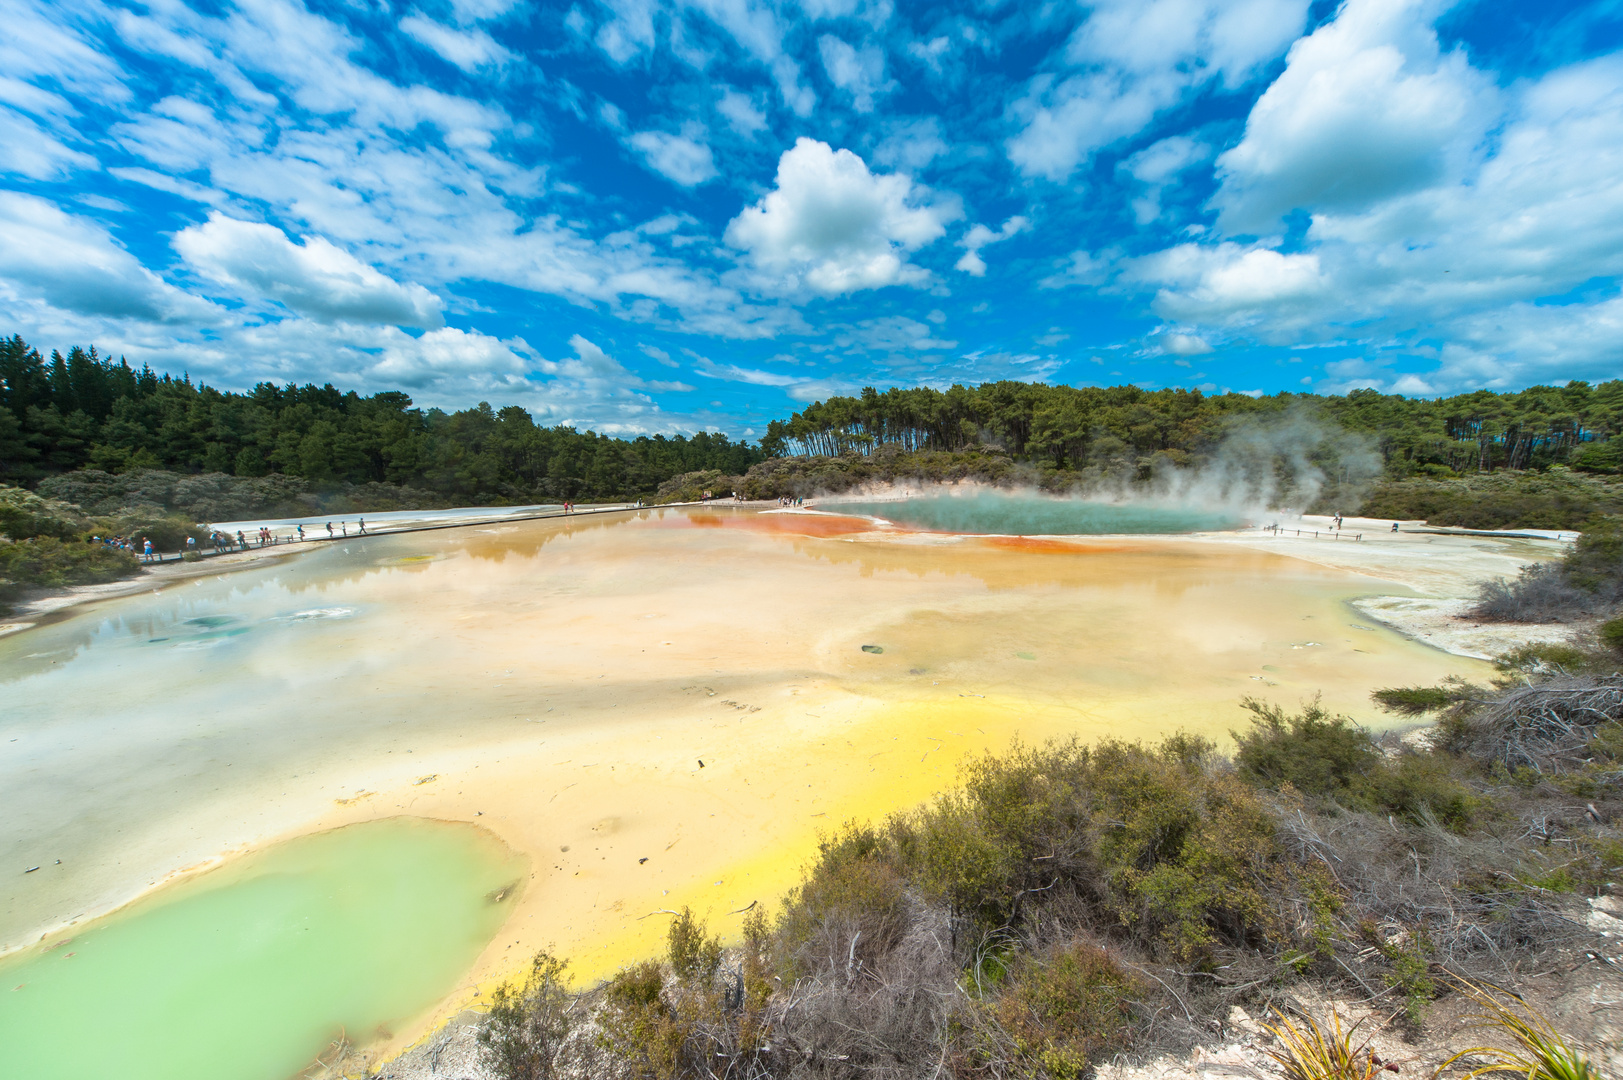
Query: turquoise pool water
x=1012 y=514
x=252 y=970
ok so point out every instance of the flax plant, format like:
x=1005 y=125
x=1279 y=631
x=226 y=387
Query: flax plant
x=1312 y=1052
x=1539 y=1052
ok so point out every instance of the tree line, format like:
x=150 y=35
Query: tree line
x=1066 y=427
x=85 y=411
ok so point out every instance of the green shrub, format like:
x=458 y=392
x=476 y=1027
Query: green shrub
x=1600 y=457
x=1415 y=786
x=168 y=534
x=1544 y=658
x=1408 y=956
x=527 y=1026
x=55 y=563
x=1595 y=562
x=635 y=1024
x=1413 y=700
x=1181 y=857
x=25 y=516
x=1194 y=864
x=1504 y=499
x=1066 y=1009
x=1330 y=757
x=691 y=486
x=1316 y=753
x=855 y=884
x=694 y=956
x=1611 y=634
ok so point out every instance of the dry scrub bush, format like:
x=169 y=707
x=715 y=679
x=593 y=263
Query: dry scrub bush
x=1541 y=593
x=1547 y=727
x=1587 y=581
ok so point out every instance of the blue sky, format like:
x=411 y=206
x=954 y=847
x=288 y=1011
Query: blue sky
x=647 y=216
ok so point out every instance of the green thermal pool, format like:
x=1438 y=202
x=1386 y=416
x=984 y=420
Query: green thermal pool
x=1009 y=514
x=252 y=970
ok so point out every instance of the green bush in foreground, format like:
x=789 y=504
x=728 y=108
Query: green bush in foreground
x=1181 y=857
x=1316 y=753
x=528 y=1024
x=1064 y=1009
x=1330 y=757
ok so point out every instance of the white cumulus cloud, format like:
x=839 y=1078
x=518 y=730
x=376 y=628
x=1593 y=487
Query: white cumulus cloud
x=73 y=264
x=1368 y=107
x=835 y=227
x=1185 y=345
x=1131 y=59
x=316 y=279
x=741 y=112
x=682 y=159
x=26 y=149
x=1423 y=227
x=444 y=354
x=1221 y=282
x=1158 y=166
x=978 y=237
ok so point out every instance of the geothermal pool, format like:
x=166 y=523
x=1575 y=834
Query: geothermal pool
x=1000 y=512
x=256 y=968
x=650 y=709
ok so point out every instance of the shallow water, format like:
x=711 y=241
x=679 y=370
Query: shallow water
x=1037 y=515
x=253 y=970
x=658 y=709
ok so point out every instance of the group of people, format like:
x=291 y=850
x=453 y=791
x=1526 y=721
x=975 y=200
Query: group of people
x=265 y=536
x=140 y=547
x=791 y=500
